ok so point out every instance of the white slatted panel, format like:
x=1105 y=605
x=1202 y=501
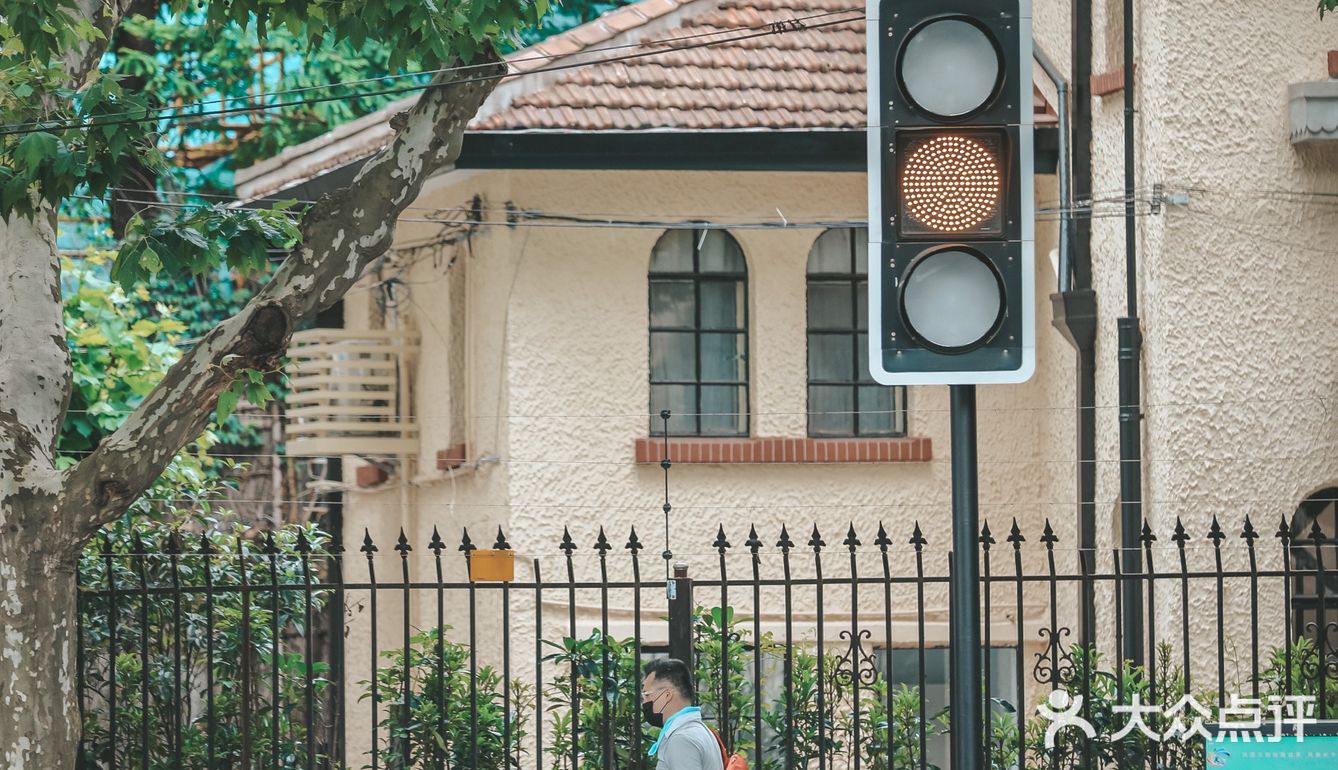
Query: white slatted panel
x=348 y=393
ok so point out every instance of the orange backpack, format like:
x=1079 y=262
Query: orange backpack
x=735 y=762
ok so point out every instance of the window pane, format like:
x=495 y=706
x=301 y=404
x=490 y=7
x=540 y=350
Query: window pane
x=862 y=305
x=830 y=357
x=672 y=253
x=861 y=237
x=830 y=253
x=830 y=410
x=722 y=410
x=681 y=401
x=672 y=357
x=722 y=304
x=862 y=349
x=829 y=305
x=671 y=303
x=723 y=357
x=719 y=252
x=876 y=416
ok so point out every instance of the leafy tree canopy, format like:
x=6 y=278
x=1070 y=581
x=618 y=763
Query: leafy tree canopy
x=64 y=139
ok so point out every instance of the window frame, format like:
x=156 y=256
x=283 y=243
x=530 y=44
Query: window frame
x=858 y=284
x=697 y=277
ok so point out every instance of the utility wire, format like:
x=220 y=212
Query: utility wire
x=773 y=28
x=168 y=111
x=1254 y=401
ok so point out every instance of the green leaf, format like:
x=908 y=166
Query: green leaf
x=35 y=148
x=227 y=404
x=149 y=259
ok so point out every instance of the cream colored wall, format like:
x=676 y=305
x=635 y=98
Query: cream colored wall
x=1238 y=367
x=1234 y=291
x=556 y=330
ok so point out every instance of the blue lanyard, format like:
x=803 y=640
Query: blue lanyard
x=654 y=747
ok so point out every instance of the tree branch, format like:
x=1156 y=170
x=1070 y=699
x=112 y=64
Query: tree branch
x=340 y=236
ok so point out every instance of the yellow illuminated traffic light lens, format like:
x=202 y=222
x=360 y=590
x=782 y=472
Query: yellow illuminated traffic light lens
x=951 y=183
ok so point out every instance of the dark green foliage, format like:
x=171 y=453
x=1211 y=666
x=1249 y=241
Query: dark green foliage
x=196 y=241
x=617 y=693
x=431 y=722
x=243 y=647
x=1107 y=690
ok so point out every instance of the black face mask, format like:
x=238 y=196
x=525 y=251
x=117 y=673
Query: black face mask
x=652 y=717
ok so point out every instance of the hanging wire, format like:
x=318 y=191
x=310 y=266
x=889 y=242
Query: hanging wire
x=770 y=28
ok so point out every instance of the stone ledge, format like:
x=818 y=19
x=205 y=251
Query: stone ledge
x=722 y=451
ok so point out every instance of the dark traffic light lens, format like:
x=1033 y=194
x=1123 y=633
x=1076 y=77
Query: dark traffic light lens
x=951 y=183
x=950 y=68
x=952 y=300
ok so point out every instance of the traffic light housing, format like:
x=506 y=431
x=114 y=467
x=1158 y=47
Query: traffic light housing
x=951 y=253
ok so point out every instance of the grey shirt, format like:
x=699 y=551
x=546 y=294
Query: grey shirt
x=689 y=745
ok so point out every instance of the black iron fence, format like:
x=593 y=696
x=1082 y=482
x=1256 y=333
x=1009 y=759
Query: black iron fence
x=218 y=651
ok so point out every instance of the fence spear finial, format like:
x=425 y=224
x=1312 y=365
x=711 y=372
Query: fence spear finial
x=1215 y=533
x=720 y=543
x=1048 y=535
x=753 y=542
x=1181 y=536
x=436 y=545
x=1148 y=537
x=368 y=547
x=501 y=544
x=402 y=545
x=816 y=541
x=1248 y=532
x=851 y=542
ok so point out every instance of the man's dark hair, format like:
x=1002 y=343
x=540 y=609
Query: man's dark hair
x=674 y=672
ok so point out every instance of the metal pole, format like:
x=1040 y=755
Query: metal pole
x=1130 y=350
x=964 y=628
x=680 y=616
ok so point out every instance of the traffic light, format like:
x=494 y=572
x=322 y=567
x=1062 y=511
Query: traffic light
x=951 y=282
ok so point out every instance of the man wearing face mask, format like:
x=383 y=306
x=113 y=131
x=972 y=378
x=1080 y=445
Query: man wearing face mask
x=685 y=742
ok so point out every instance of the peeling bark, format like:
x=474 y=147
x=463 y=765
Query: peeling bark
x=46 y=517
x=36 y=584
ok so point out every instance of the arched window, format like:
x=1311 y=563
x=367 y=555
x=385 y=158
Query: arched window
x=1310 y=558
x=843 y=400
x=699 y=334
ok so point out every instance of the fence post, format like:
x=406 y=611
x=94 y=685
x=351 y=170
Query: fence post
x=680 y=615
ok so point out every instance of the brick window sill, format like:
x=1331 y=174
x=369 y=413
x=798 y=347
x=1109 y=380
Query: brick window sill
x=733 y=451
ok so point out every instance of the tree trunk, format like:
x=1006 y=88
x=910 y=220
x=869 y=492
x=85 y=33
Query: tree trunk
x=46 y=516
x=39 y=716
x=39 y=726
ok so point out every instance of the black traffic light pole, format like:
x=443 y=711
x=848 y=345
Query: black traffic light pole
x=964 y=590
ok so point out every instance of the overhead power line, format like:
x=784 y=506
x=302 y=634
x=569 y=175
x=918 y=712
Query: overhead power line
x=174 y=115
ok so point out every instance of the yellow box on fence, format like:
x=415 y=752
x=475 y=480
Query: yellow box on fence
x=492 y=566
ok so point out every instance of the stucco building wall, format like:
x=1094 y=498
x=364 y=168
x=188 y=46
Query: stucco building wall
x=549 y=324
x=556 y=359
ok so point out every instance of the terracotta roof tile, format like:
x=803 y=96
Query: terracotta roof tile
x=808 y=78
